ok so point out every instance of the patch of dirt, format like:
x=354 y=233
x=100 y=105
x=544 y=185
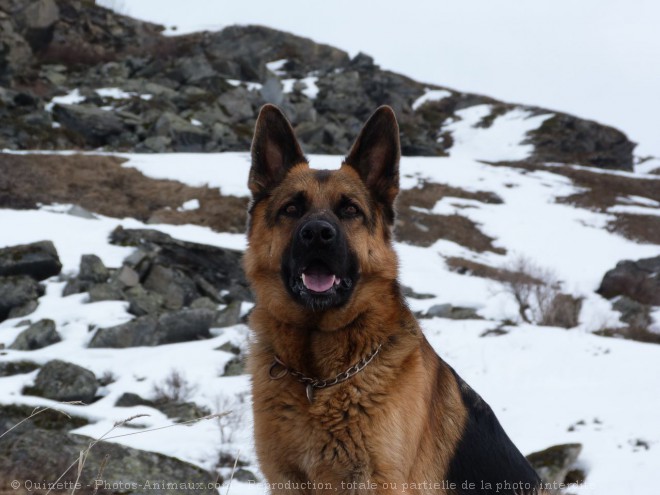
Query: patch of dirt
x=101 y=185
x=602 y=191
x=423 y=229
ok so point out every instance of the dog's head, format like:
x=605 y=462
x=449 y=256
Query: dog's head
x=320 y=240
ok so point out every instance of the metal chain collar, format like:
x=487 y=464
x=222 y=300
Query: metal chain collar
x=312 y=383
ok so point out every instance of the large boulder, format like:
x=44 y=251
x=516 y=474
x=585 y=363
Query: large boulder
x=96 y=126
x=17 y=292
x=30 y=453
x=39 y=260
x=554 y=463
x=15 y=52
x=638 y=280
x=180 y=326
x=92 y=269
x=65 y=382
x=567 y=139
x=213 y=269
x=38 y=335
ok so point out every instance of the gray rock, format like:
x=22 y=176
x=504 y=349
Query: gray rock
x=229 y=316
x=182 y=411
x=37 y=454
x=155 y=144
x=38 y=14
x=176 y=287
x=229 y=347
x=204 y=303
x=75 y=286
x=567 y=139
x=183 y=135
x=135 y=333
x=36 y=336
x=23 y=310
x=410 y=292
x=64 y=382
x=633 y=313
x=128 y=277
x=181 y=326
x=553 y=463
x=15 y=55
x=12 y=414
x=245 y=475
x=16 y=292
x=234 y=367
x=195 y=69
x=92 y=269
x=96 y=126
x=185 y=325
x=105 y=292
x=39 y=260
x=638 y=280
x=237 y=105
x=36 y=21
x=452 y=312
x=220 y=268
x=128 y=399
x=80 y=212
x=143 y=302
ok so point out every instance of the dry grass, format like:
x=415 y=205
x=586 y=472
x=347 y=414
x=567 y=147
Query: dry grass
x=631 y=333
x=423 y=229
x=101 y=185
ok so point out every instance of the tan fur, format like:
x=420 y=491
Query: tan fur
x=394 y=424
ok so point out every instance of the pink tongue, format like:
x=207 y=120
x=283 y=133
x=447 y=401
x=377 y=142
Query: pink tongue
x=318 y=281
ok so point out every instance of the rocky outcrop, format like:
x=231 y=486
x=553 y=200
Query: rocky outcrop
x=18 y=296
x=21 y=269
x=37 y=336
x=43 y=449
x=638 y=280
x=554 y=463
x=38 y=260
x=65 y=382
x=201 y=92
x=181 y=326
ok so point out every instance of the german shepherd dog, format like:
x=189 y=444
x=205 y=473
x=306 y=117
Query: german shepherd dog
x=348 y=395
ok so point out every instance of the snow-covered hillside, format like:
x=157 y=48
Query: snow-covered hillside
x=547 y=385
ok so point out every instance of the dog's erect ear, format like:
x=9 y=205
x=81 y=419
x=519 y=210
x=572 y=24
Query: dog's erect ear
x=274 y=150
x=375 y=155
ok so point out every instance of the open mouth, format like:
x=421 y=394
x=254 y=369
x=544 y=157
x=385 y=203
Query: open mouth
x=318 y=278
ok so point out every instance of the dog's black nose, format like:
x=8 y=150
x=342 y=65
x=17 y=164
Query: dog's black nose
x=317 y=232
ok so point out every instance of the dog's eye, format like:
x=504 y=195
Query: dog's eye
x=350 y=211
x=291 y=210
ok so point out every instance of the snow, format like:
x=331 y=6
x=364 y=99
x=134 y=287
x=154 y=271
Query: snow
x=72 y=98
x=251 y=86
x=542 y=382
x=501 y=142
x=276 y=66
x=190 y=205
x=311 y=89
x=430 y=95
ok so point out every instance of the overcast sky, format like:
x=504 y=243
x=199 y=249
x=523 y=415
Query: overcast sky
x=598 y=59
